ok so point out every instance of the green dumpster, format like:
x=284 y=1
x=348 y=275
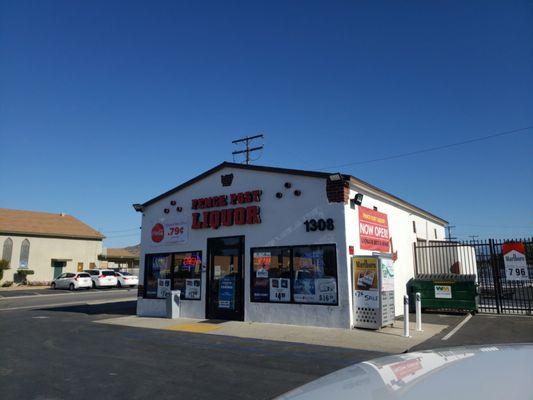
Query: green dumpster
x=450 y=292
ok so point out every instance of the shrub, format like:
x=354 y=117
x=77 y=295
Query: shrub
x=4 y=264
x=39 y=283
x=23 y=273
x=7 y=284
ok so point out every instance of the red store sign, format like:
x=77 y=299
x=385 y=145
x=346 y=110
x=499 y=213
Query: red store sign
x=213 y=219
x=373 y=230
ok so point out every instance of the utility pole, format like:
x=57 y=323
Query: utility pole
x=449 y=229
x=248 y=149
x=473 y=237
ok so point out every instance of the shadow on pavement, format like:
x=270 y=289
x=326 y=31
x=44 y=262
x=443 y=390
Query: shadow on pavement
x=117 y=308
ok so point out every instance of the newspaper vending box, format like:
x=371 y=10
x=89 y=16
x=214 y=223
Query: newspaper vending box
x=373 y=291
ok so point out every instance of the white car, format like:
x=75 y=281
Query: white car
x=126 y=279
x=72 y=281
x=102 y=277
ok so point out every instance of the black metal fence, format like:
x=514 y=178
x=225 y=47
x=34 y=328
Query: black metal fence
x=500 y=289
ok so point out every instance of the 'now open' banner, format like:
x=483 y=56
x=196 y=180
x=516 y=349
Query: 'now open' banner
x=373 y=230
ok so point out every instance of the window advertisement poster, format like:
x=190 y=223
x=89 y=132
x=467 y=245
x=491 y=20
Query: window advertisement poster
x=387 y=274
x=260 y=289
x=365 y=270
x=373 y=230
x=163 y=288
x=192 y=289
x=514 y=258
x=326 y=290
x=365 y=280
x=169 y=232
x=226 y=292
x=312 y=262
x=262 y=262
x=280 y=290
x=304 y=291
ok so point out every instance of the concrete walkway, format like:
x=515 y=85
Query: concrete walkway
x=388 y=340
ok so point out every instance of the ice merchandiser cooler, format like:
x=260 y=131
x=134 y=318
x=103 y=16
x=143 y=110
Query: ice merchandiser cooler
x=373 y=291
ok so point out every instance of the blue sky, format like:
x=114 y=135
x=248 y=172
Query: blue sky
x=108 y=103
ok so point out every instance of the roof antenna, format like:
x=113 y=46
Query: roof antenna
x=248 y=149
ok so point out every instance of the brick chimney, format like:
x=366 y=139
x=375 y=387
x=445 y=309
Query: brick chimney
x=338 y=191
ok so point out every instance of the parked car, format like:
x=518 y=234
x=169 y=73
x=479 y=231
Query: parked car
x=102 y=277
x=72 y=281
x=126 y=279
x=440 y=374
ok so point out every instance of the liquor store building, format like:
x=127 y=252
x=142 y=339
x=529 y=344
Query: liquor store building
x=257 y=243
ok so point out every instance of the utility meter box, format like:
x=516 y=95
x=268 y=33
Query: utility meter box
x=373 y=291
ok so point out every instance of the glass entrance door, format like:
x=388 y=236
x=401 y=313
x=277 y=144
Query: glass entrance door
x=225 y=280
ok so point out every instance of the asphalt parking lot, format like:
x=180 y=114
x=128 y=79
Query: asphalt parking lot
x=53 y=349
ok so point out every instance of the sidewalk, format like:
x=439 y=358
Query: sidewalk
x=388 y=340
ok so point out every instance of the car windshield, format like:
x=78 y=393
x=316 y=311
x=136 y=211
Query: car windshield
x=125 y=273
x=108 y=273
x=84 y=276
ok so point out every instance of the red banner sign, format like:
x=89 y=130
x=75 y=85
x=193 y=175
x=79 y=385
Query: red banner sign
x=373 y=230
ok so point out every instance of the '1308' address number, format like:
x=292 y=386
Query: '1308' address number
x=313 y=225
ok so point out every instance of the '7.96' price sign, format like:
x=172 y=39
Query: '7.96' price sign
x=514 y=257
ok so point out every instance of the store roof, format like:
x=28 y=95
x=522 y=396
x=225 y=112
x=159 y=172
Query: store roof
x=316 y=174
x=36 y=223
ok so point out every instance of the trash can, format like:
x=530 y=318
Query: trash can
x=444 y=292
x=173 y=304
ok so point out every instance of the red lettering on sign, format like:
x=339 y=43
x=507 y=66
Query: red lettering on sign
x=252 y=215
x=227 y=217
x=214 y=219
x=239 y=216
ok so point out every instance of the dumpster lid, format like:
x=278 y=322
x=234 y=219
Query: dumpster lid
x=447 y=277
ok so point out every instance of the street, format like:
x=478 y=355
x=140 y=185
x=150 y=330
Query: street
x=53 y=349
x=58 y=352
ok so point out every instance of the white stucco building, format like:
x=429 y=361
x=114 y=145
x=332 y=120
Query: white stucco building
x=47 y=244
x=267 y=244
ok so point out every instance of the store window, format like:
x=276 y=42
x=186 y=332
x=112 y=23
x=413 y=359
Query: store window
x=157 y=275
x=187 y=274
x=315 y=274
x=298 y=274
x=271 y=274
x=173 y=271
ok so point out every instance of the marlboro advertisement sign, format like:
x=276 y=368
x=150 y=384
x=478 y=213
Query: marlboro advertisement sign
x=514 y=257
x=373 y=230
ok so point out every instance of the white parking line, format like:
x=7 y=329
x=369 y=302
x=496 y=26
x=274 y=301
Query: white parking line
x=459 y=326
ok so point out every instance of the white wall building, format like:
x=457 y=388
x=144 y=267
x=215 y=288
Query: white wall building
x=47 y=244
x=270 y=244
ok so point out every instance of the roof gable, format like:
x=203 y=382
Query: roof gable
x=36 y=223
x=316 y=174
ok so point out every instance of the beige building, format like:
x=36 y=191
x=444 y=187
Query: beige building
x=47 y=244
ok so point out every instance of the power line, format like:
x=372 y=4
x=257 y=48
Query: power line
x=429 y=149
